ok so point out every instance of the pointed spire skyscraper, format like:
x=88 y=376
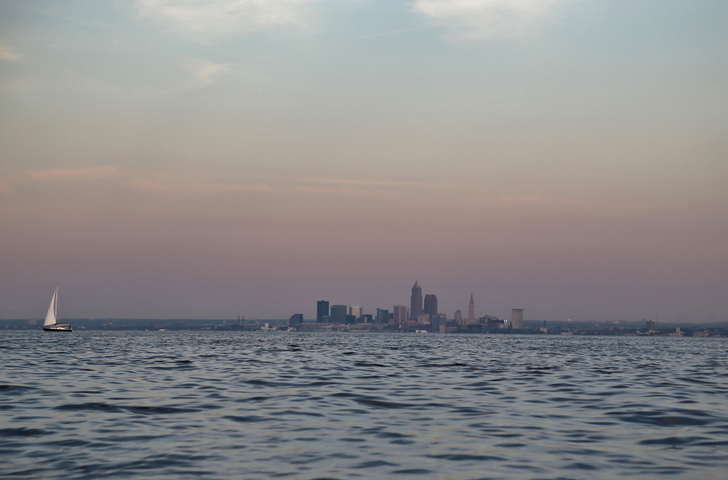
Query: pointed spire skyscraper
x=471 y=308
x=416 y=301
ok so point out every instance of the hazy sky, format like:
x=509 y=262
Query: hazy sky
x=216 y=158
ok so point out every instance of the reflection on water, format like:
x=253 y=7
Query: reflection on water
x=327 y=405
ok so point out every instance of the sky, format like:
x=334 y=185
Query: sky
x=225 y=158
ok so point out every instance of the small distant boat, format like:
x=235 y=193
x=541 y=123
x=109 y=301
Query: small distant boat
x=51 y=321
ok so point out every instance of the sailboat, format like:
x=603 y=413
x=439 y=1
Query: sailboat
x=51 y=322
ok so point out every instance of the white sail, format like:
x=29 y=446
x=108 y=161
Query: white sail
x=51 y=315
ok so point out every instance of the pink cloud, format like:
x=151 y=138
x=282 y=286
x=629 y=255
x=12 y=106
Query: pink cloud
x=61 y=174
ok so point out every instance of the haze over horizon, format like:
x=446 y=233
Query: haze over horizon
x=209 y=159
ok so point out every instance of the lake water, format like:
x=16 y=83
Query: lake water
x=254 y=405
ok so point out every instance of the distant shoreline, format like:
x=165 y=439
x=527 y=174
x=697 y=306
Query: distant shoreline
x=531 y=327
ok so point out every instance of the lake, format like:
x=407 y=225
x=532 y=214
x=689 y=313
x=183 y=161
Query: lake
x=259 y=405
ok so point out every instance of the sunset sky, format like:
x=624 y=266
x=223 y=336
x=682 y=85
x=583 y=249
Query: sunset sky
x=216 y=158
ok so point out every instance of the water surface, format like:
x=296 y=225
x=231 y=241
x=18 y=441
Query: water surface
x=164 y=405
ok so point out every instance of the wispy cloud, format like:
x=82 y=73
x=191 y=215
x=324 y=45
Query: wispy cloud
x=537 y=200
x=7 y=53
x=213 y=18
x=203 y=72
x=472 y=20
x=533 y=199
x=191 y=185
x=148 y=185
x=371 y=183
x=87 y=173
x=141 y=180
x=157 y=184
x=393 y=32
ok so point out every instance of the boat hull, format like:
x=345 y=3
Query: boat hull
x=58 y=328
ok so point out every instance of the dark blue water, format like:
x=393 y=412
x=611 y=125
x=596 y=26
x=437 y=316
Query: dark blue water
x=357 y=406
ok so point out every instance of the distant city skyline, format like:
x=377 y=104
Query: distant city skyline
x=417 y=309
x=215 y=159
x=418 y=319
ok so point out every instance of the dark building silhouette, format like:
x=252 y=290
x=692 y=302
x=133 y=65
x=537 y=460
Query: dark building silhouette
x=400 y=315
x=322 y=310
x=416 y=301
x=338 y=314
x=296 y=320
x=491 y=323
x=431 y=305
x=436 y=321
x=382 y=315
x=517 y=318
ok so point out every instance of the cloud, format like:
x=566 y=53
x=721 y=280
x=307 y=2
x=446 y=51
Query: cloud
x=535 y=200
x=204 y=72
x=348 y=182
x=149 y=185
x=190 y=185
x=139 y=180
x=214 y=18
x=473 y=20
x=88 y=173
x=12 y=182
x=393 y=32
x=6 y=53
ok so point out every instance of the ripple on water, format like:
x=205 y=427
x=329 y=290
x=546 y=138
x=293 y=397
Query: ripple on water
x=303 y=406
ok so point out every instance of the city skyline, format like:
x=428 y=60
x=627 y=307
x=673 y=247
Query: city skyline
x=418 y=307
x=422 y=317
x=213 y=159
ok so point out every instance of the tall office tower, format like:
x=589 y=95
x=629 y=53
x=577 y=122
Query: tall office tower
x=322 y=310
x=356 y=311
x=458 y=318
x=296 y=320
x=437 y=320
x=431 y=305
x=383 y=315
x=471 y=309
x=517 y=318
x=416 y=301
x=400 y=315
x=650 y=325
x=338 y=314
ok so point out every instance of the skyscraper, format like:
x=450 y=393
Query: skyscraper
x=400 y=315
x=517 y=318
x=338 y=313
x=356 y=311
x=383 y=315
x=322 y=310
x=431 y=305
x=416 y=301
x=296 y=320
x=458 y=318
x=471 y=309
